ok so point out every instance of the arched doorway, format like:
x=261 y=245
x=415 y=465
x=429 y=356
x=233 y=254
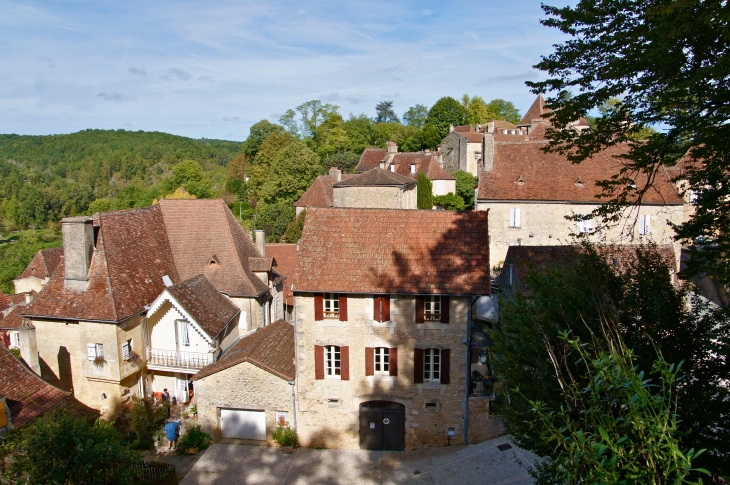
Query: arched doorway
x=382 y=426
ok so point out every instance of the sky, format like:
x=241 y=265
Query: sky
x=212 y=69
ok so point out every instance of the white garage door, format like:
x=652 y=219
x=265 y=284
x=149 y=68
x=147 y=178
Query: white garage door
x=245 y=425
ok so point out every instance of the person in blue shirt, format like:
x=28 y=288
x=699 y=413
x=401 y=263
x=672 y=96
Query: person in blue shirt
x=171 y=432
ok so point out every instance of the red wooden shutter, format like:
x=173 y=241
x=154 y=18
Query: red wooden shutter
x=386 y=308
x=420 y=310
x=393 y=360
x=343 y=308
x=318 y=307
x=377 y=315
x=418 y=366
x=445 y=309
x=318 y=362
x=445 y=366
x=369 y=361
x=345 y=363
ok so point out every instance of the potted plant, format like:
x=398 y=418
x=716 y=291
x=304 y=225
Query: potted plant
x=99 y=361
x=194 y=410
x=134 y=358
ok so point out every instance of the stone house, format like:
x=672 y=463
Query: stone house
x=320 y=193
x=249 y=391
x=462 y=149
x=377 y=188
x=535 y=117
x=382 y=319
x=91 y=318
x=285 y=262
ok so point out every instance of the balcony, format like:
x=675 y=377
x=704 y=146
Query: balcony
x=172 y=360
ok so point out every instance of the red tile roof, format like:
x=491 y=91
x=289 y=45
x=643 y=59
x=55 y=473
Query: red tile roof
x=498 y=125
x=209 y=308
x=285 y=258
x=472 y=137
x=13 y=319
x=394 y=251
x=376 y=177
x=464 y=129
x=535 y=111
x=199 y=230
x=5 y=302
x=44 y=264
x=428 y=164
x=19 y=298
x=27 y=395
x=371 y=158
x=319 y=194
x=552 y=177
x=271 y=348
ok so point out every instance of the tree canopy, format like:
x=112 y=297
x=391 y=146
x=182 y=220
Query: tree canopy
x=384 y=113
x=447 y=111
x=667 y=64
x=416 y=116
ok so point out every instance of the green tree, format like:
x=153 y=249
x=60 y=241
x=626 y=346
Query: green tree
x=274 y=219
x=257 y=134
x=360 y=132
x=189 y=175
x=476 y=108
x=345 y=161
x=331 y=136
x=312 y=114
x=424 y=192
x=500 y=109
x=292 y=171
x=99 y=205
x=294 y=230
x=450 y=202
x=148 y=417
x=14 y=258
x=447 y=111
x=465 y=185
x=261 y=169
x=416 y=116
x=384 y=113
x=61 y=449
x=667 y=61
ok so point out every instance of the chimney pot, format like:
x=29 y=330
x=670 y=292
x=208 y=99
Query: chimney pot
x=29 y=346
x=382 y=164
x=261 y=241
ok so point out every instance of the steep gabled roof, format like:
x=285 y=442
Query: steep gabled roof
x=5 y=302
x=271 y=348
x=371 y=158
x=44 y=264
x=394 y=251
x=285 y=257
x=375 y=177
x=319 y=194
x=535 y=112
x=211 y=310
x=27 y=395
x=464 y=129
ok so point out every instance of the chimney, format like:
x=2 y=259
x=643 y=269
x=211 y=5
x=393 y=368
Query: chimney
x=392 y=148
x=261 y=241
x=382 y=164
x=29 y=346
x=28 y=297
x=490 y=127
x=78 y=249
x=336 y=174
x=451 y=128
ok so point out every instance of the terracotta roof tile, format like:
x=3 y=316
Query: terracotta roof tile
x=472 y=137
x=535 y=111
x=27 y=395
x=5 y=302
x=552 y=177
x=13 y=319
x=319 y=194
x=464 y=129
x=44 y=264
x=371 y=158
x=498 y=125
x=19 y=298
x=285 y=258
x=259 y=264
x=394 y=251
x=271 y=348
x=209 y=308
x=428 y=164
x=375 y=177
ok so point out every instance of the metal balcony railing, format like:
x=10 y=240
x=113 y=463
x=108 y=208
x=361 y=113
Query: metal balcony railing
x=172 y=358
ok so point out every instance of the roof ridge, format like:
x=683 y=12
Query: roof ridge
x=106 y=265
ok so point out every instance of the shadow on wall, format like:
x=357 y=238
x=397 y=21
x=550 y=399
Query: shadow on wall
x=64 y=379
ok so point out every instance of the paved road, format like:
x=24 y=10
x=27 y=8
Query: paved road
x=482 y=464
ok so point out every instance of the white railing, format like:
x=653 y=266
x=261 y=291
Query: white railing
x=172 y=358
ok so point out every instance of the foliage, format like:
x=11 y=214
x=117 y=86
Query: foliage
x=384 y=113
x=424 y=195
x=294 y=230
x=450 y=202
x=447 y=111
x=620 y=427
x=147 y=417
x=257 y=134
x=16 y=352
x=193 y=438
x=16 y=256
x=476 y=110
x=189 y=175
x=285 y=435
x=465 y=185
x=330 y=136
x=503 y=110
x=416 y=116
x=637 y=293
x=667 y=62
x=61 y=449
x=274 y=219
x=194 y=409
x=311 y=114
x=180 y=193
x=345 y=161
x=290 y=174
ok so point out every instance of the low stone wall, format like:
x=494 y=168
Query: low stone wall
x=482 y=426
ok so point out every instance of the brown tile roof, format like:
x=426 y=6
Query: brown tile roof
x=260 y=265
x=319 y=194
x=394 y=251
x=472 y=137
x=464 y=129
x=370 y=158
x=535 y=112
x=131 y=257
x=271 y=348
x=202 y=230
x=552 y=177
x=13 y=319
x=498 y=125
x=5 y=302
x=19 y=298
x=44 y=263
x=209 y=308
x=285 y=258
x=27 y=395
x=375 y=177
x=428 y=164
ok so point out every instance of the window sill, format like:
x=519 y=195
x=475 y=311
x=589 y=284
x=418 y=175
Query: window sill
x=431 y=386
x=422 y=327
x=384 y=378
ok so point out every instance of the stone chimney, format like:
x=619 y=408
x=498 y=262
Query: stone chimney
x=488 y=152
x=451 y=128
x=490 y=127
x=336 y=174
x=261 y=241
x=29 y=346
x=382 y=164
x=392 y=148
x=78 y=249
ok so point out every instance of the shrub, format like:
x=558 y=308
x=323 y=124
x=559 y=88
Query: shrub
x=193 y=438
x=148 y=416
x=285 y=435
x=450 y=202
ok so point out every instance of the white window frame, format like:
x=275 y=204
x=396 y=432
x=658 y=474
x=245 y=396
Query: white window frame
x=432 y=365
x=392 y=168
x=332 y=362
x=381 y=362
x=331 y=305
x=279 y=415
x=14 y=340
x=645 y=225
x=94 y=350
x=184 y=332
x=126 y=349
x=432 y=308
x=413 y=169
x=585 y=227
x=514 y=217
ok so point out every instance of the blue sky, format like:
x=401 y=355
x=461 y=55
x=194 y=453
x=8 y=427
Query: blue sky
x=212 y=69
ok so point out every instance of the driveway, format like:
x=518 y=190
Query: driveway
x=481 y=464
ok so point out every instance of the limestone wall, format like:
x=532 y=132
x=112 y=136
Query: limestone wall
x=371 y=197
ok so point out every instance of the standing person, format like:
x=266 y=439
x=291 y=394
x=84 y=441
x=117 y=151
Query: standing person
x=171 y=433
x=166 y=400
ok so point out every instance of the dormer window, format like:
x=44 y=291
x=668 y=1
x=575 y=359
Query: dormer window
x=413 y=169
x=392 y=168
x=579 y=182
x=213 y=260
x=520 y=181
x=632 y=184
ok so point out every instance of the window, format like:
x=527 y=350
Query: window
x=392 y=168
x=514 y=217
x=382 y=360
x=331 y=305
x=432 y=365
x=432 y=308
x=15 y=340
x=94 y=350
x=126 y=349
x=585 y=227
x=413 y=169
x=510 y=269
x=265 y=313
x=184 y=334
x=477 y=156
x=282 y=418
x=693 y=197
x=644 y=224
x=332 y=362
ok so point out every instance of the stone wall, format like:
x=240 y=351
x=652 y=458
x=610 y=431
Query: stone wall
x=373 y=197
x=454 y=152
x=243 y=386
x=544 y=224
x=328 y=409
x=482 y=426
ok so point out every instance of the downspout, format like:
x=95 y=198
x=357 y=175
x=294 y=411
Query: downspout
x=467 y=341
x=293 y=404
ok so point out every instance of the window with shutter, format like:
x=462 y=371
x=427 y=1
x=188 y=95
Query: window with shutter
x=420 y=306
x=100 y=350
x=318 y=307
x=126 y=349
x=345 y=363
x=445 y=300
x=342 y=300
x=418 y=366
x=369 y=361
x=318 y=362
x=445 y=366
x=91 y=351
x=393 y=361
x=381 y=308
x=432 y=365
x=432 y=308
x=331 y=305
x=332 y=362
x=382 y=361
